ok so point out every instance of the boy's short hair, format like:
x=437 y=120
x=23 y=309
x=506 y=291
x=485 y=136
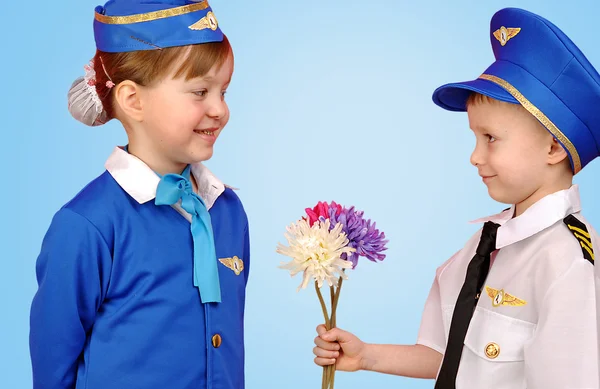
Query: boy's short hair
x=476 y=98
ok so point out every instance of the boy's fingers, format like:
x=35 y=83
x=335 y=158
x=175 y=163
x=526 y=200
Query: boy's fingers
x=324 y=361
x=320 y=342
x=319 y=352
x=321 y=329
x=336 y=335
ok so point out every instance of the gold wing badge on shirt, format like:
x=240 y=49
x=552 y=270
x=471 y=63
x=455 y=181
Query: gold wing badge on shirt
x=234 y=263
x=499 y=297
x=504 y=34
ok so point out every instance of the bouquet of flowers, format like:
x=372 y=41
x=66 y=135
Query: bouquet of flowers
x=322 y=245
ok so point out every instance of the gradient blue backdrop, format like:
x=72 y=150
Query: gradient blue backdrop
x=329 y=100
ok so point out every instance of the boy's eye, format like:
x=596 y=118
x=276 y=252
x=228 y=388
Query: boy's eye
x=201 y=93
x=491 y=138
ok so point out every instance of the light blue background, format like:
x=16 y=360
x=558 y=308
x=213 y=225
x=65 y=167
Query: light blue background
x=329 y=100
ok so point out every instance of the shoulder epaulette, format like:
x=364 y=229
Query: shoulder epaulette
x=579 y=231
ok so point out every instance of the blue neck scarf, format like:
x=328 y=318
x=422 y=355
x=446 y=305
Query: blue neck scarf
x=171 y=189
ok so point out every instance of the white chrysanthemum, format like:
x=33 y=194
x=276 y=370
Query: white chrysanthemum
x=316 y=251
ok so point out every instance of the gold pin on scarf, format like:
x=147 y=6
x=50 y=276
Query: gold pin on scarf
x=499 y=297
x=235 y=264
x=504 y=34
x=209 y=21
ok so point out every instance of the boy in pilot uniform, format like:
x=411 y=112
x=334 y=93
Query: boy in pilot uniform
x=516 y=307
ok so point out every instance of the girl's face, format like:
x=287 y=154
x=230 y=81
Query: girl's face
x=181 y=119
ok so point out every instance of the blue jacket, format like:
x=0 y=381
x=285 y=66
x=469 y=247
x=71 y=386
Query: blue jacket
x=116 y=306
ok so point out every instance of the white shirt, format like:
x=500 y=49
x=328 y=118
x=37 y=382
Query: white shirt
x=544 y=330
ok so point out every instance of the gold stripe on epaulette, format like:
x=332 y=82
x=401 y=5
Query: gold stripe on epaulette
x=583 y=236
x=587 y=249
x=582 y=232
x=582 y=239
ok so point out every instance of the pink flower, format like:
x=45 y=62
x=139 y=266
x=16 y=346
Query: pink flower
x=322 y=210
x=109 y=84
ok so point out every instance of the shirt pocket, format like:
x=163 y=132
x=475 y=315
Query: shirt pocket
x=498 y=338
x=493 y=353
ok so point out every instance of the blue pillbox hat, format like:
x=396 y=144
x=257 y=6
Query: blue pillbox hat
x=135 y=25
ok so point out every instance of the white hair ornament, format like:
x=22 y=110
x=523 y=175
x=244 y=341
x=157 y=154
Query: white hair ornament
x=83 y=100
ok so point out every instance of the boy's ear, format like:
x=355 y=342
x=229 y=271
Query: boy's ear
x=127 y=96
x=557 y=153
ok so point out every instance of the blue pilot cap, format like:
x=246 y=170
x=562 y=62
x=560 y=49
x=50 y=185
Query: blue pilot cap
x=135 y=25
x=539 y=67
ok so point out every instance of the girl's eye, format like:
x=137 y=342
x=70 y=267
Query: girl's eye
x=491 y=139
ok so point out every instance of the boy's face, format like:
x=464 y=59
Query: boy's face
x=511 y=152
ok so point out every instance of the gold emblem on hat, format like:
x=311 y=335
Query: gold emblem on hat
x=209 y=21
x=504 y=34
x=499 y=297
x=234 y=263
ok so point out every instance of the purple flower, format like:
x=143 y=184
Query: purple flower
x=368 y=241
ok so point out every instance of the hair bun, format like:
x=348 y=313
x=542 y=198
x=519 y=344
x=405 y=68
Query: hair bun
x=83 y=100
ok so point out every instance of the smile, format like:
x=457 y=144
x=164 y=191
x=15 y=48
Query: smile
x=205 y=132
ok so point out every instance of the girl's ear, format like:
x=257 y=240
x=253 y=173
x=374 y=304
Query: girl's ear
x=127 y=97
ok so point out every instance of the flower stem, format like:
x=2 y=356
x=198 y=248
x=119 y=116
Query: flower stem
x=326 y=369
x=332 y=323
x=334 y=303
x=332 y=293
x=335 y=296
x=323 y=307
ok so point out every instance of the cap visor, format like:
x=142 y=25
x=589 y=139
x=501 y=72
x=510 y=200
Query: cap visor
x=453 y=97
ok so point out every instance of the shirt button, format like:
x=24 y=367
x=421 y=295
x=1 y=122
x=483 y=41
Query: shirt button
x=216 y=341
x=492 y=350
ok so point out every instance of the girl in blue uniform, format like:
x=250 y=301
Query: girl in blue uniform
x=142 y=275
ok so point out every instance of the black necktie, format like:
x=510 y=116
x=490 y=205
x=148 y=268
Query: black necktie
x=477 y=272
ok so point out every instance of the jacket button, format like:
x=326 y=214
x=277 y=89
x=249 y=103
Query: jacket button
x=492 y=350
x=216 y=341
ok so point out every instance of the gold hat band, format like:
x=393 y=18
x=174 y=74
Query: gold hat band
x=147 y=17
